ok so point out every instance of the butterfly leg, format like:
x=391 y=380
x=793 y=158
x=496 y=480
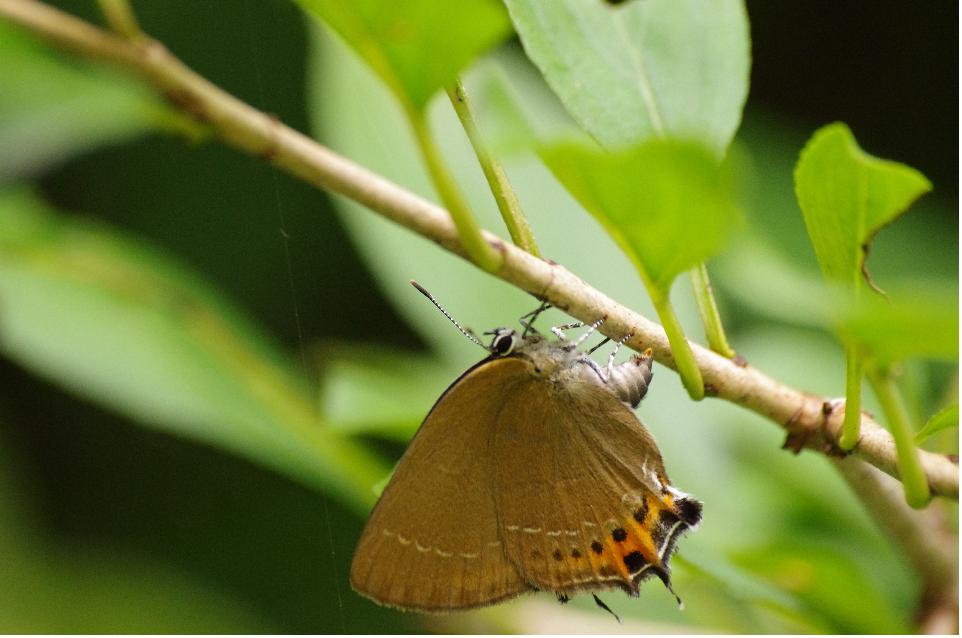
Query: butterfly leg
x=591 y=328
x=588 y=361
x=559 y=330
x=611 y=357
x=528 y=320
x=603 y=342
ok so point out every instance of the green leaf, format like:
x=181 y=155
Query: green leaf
x=667 y=204
x=76 y=107
x=658 y=68
x=360 y=388
x=120 y=324
x=846 y=196
x=942 y=420
x=918 y=319
x=417 y=46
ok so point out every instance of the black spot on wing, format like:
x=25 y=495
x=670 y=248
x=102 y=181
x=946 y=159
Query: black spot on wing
x=596 y=547
x=635 y=562
x=689 y=510
x=667 y=518
x=620 y=535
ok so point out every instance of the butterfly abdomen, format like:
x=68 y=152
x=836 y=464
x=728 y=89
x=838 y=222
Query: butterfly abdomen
x=629 y=380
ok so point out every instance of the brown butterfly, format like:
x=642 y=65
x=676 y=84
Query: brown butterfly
x=531 y=472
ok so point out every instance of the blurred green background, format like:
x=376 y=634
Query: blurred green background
x=147 y=256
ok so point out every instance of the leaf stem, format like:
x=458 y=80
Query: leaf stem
x=120 y=16
x=913 y=478
x=680 y=350
x=498 y=181
x=853 y=400
x=708 y=309
x=477 y=248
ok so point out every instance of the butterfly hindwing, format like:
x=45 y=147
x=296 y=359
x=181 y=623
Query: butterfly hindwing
x=582 y=495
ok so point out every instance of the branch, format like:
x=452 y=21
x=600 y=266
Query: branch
x=254 y=132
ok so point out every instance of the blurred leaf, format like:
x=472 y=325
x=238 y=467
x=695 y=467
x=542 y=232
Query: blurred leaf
x=51 y=586
x=379 y=391
x=743 y=596
x=122 y=325
x=759 y=277
x=74 y=108
x=517 y=110
x=846 y=196
x=49 y=589
x=831 y=585
x=916 y=320
x=417 y=46
x=666 y=203
x=658 y=68
x=942 y=420
x=378 y=487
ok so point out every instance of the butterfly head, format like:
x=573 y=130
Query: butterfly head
x=504 y=341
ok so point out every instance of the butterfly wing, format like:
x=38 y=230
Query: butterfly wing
x=432 y=542
x=582 y=495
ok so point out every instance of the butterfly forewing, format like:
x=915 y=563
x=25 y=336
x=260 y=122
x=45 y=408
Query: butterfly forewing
x=432 y=542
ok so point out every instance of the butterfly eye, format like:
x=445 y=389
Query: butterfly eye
x=504 y=341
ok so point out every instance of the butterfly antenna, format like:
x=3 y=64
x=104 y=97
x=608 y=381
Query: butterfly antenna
x=467 y=333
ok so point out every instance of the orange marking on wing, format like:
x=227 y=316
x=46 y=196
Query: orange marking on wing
x=638 y=538
x=642 y=538
x=613 y=550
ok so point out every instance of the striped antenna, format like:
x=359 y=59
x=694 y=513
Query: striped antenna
x=467 y=333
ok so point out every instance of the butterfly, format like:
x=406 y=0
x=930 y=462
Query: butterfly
x=531 y=472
